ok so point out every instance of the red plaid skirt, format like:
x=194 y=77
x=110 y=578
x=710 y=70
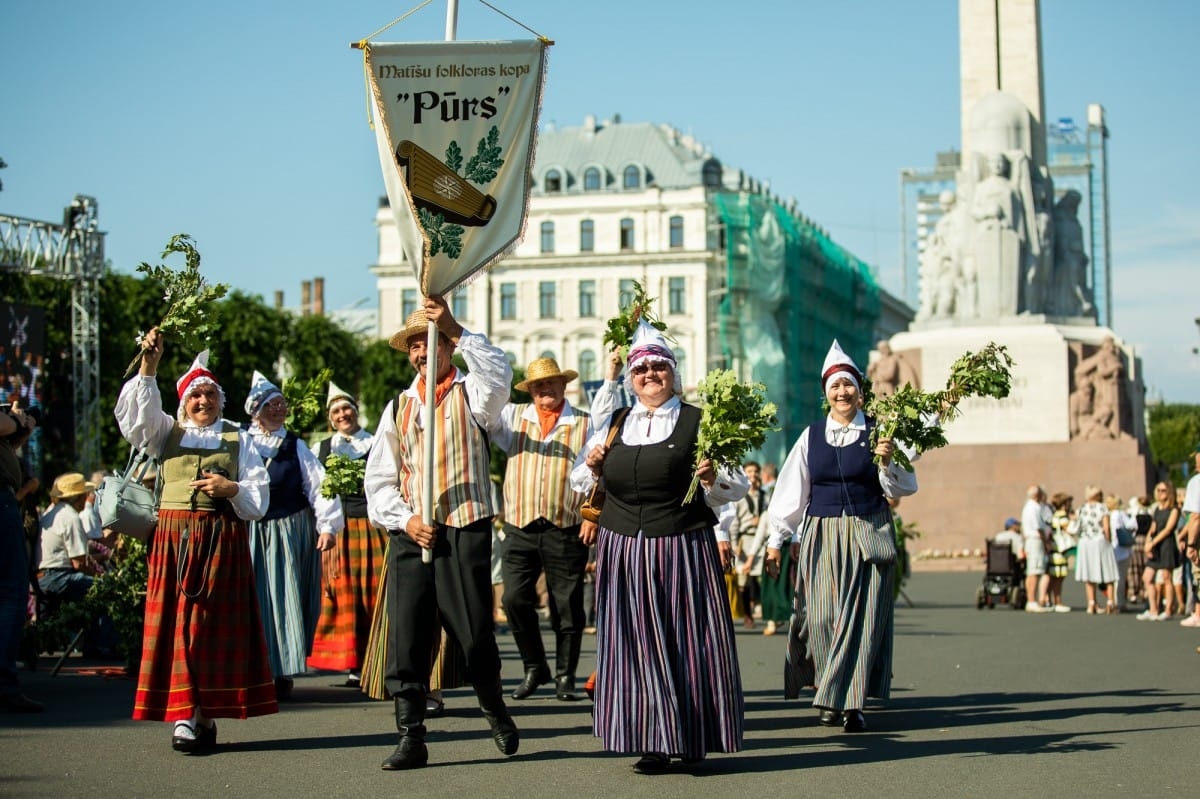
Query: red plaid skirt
x=348 y=602
x=202 y=646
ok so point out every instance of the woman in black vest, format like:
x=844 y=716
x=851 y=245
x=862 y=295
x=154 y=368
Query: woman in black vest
x=831 y=503
x=284 y=544
x=667 y=679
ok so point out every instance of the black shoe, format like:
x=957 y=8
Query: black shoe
x=19 y=703
x=539 y=675
x=504 y=732
x=204 y=739
x=564 y=688
x=854 y=721
x=652 y=763
x=410 y=753
x=283 y=688
x=829 y=718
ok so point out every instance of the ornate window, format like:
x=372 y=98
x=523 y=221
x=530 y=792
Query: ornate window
x=591 y=179
x=553 y=182
x=632 y=177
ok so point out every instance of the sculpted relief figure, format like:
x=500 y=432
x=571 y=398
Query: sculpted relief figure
x=1105 y=371
x=890 y=371
x=1070 y=294
x=942 y=260
x=1000 y=241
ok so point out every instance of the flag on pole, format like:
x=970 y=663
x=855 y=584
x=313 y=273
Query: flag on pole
x=456 y=123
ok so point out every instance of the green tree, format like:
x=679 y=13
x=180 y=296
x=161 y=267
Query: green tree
x=1173 y=431
x=251 y=338
x=385 y=372
x=317 y=342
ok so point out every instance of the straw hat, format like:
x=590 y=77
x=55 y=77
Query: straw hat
x=71 y=485
x=416 y=325
x=544 y=369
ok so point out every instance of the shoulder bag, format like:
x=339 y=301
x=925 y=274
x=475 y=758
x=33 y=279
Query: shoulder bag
x=591 y=507
x=124 y=503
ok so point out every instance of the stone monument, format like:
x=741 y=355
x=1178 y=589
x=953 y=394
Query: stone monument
x=1006 y=263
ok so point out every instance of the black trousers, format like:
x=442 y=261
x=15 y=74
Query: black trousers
x=529 y=551
x=458 y=585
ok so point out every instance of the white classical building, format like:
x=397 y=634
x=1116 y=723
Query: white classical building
x=614 y=203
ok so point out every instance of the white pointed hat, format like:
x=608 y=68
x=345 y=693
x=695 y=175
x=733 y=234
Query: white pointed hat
x=198 y=371
x=338 y=396
x=839 y=364
x=649 y=344
x=262 y=391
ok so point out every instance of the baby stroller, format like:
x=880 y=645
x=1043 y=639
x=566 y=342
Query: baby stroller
x=1004 y=581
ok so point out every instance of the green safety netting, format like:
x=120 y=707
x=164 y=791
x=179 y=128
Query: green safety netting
x=790 y=292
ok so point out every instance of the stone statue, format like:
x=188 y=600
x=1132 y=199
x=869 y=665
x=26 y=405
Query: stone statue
x=1080 y=404
x=890 y=371
x=1071 y=297
x=1000 y=245
x=1105 y=371
x=941 y=262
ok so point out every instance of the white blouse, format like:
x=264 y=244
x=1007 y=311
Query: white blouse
x=328 y=512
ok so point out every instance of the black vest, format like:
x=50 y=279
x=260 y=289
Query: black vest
x=646 y=484
x=844 y=479
x=287 y=484
x=354 y=506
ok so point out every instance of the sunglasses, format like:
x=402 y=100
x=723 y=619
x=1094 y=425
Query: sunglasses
x=642 y=368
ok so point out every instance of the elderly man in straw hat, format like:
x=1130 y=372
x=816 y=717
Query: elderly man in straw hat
x=458 y=581
x=66 y=569
x=542 y=524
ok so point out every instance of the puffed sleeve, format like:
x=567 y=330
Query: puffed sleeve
x=328 y=511
x=254 y=485
x=140 y=416
x=790 y=497
x=488 y=378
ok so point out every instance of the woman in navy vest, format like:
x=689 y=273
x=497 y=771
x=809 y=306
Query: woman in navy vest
x=667 y=679
x=285 y=543
x=831 y=502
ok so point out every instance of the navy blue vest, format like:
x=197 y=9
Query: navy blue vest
x=844 y=479
x=287 y=485
x=646 y=484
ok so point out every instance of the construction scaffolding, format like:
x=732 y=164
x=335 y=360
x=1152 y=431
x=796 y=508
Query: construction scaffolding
x=73 y=251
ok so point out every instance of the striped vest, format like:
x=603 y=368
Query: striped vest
x=537 y=482
x=462 y=487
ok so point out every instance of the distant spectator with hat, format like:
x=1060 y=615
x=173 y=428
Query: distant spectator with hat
x=352 y=569
x=66 y=570
x=542 y=528
x=831 y=503
x=457 y=583
x=284 y=544
x=203 y=653
x=15 y=429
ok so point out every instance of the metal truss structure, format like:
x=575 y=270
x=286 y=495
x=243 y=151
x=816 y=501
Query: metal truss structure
x=74 y=251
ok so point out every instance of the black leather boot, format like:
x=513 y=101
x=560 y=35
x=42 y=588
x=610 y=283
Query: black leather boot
x=504 y=731
x=566 y=660
x=410 y=721
x=534 y=676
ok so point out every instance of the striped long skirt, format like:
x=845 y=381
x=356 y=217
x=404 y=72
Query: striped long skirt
x=667 y=677
x=841 y=631
x=203 y=641
x=348 y=601
x=287 y=574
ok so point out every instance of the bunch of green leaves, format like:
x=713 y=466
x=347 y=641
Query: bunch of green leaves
x=343 y=476
x=305 y=399
x=485 y=164
x=621 y=328
x=907 y=414
x=189 y=318
x=735 y=419
x=443 y=236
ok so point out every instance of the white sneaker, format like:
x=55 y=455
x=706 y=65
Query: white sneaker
x=1162 y=616
x=1033 y=607
x=1147 y=615
x=1062 y=608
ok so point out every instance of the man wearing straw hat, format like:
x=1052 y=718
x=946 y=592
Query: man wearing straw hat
x=66 y=570
x=457 y=583
x=542 y=524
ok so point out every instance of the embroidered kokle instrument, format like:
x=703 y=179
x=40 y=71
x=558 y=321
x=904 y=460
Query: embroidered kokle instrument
x=439 y=189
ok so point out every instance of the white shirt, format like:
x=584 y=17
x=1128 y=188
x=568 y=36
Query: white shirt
x=1191 y=499
x=143 y=423
x=1033 y=519
x=354 y=446
x=788 y=509
x=328 y=512
x=486 y=385
x=63 y=537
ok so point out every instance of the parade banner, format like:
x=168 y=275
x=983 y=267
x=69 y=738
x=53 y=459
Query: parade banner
x=456 y=123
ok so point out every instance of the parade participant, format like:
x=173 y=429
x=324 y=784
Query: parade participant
x=667 y=678
x=831 y=503
x=352 y=569
x=542 y=525
x=457 y=583
x=298 y=524
x=203 y=653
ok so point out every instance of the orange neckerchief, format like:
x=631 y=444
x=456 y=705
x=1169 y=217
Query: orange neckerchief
x=549 y=418
x=440 y=390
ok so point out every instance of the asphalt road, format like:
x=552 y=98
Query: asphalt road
x=991 y=703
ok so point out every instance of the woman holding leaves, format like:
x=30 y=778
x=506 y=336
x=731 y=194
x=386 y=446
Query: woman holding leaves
x=203 y=655
x=298 y=524
x=831 y=503
x=667 y=679
x=351 y=570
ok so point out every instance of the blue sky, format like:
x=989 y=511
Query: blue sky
x=244 y=123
